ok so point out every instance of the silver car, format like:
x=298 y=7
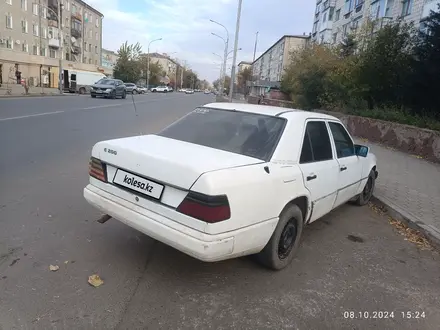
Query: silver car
x=131 y=88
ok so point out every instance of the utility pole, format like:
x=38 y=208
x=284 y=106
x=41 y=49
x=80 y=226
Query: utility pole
x=255 y=47
x=60 y=57
x=234 y=59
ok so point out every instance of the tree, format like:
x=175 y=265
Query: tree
x=348 y=46
x=216 y=83
x=424 y=96
x=384 y=67
x=155 y=70
x=244 y=76
x=127 y=65
x=190 y=79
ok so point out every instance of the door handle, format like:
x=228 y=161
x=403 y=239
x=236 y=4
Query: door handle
x=311 y=177
x=343 y=168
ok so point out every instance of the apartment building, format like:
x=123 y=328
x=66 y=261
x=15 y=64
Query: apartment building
x=30 y=42
x=108 y=61
x=334 y=19
x=269 y=67
x=243 y=65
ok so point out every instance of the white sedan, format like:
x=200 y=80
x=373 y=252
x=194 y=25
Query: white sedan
x=229 y=180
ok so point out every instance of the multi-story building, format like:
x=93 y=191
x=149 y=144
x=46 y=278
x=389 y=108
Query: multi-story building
x=30 y=40
x=243 y=65
x=334 y=19
x=108 y=61
x=168 y=65
x=271 y=64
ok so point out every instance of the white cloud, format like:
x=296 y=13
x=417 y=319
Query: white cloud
x=185 y=28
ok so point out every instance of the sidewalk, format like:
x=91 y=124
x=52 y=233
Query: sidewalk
x=14 y=90
x=409 y=187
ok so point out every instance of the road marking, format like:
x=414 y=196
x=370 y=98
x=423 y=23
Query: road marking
x=36 y=115
x=78 y=109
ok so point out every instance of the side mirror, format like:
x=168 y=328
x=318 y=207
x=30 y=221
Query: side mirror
x=360 y=150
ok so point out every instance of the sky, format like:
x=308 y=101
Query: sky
x=185 y=27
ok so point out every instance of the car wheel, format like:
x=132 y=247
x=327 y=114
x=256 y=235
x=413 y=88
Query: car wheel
x=284 y=243
x=113 y=95
x=94 y=96
x=134 y=92
x=154 y=91
x=82 y=90
x=366 y=194
x=124 y=94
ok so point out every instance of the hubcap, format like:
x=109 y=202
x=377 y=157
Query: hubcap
x=287 y=239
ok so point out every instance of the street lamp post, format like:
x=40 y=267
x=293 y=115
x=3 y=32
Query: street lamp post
x=148 y=61
x=225 y=52
x=60 y=57
x=237 y=31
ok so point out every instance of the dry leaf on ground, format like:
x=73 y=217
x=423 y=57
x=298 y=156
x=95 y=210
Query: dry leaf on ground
x=95 y=280
x=54 y=268
x=411 y=235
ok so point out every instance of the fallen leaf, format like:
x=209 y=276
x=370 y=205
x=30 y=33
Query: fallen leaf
x=54 y=268
x=66 y=262
x=95 y=280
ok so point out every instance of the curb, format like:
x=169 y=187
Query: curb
x=431 y=233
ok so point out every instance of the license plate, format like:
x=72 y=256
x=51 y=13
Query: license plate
x=139 y=184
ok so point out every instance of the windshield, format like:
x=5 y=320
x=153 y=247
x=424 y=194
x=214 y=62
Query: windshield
x=106 y=82
x=242 y=133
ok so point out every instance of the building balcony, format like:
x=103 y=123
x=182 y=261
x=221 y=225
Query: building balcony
x=54 y=43
x=52 y=23
x=77 y=16
x=75 y=33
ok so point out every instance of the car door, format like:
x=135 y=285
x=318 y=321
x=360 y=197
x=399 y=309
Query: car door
x=350 y=166
x=120 y=87
x=319 y=168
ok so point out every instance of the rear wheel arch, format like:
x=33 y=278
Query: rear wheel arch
x=302 y=202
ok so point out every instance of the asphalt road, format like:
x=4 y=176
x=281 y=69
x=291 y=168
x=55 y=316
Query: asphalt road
x=44 y=220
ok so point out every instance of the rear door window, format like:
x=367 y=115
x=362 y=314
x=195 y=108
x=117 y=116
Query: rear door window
x=316 y=145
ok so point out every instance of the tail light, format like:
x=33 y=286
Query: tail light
x=97 y=169
x=210 y=209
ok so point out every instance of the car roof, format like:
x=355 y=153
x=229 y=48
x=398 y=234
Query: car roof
x=269 y=110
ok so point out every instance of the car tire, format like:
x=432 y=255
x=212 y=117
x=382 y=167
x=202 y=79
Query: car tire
x=280 y=250
x=365 y=196
x=82 y=90
x=113 y=95
x=93 y=96
x=134 y=92
x=154 y=91
x=124 y=94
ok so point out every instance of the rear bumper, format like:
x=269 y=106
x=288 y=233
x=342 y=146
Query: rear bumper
x=199 y=245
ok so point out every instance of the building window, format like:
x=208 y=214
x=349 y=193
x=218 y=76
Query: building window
x=375 y=10
x=24 y=26
x=35 y=8
x=330 y=13
x=97 y=22
x=338 y=14
x=90 y=61
x=53 y=53
x=44 y=12
x=9 y=21
x=35 y=50
x=85 y=46
x=43 y=32
x=359 y=2
x=43 y=51
x=90 y=33
x=347 y=7
x=406 y=7
x=66 y=22
x=90 y=47
x=96 y=49
x=35 y=30
x=96 y=36
x=73 y=9
x=9 y=43
x=24 y=5
x=68 y=5
x=25 y=47
x=85 y=59
x=9 y=2
x=96 y=62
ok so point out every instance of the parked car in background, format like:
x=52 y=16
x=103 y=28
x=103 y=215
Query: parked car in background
x=160 y=89
x=207 y=91
x=258 y=176
x=109 y=88
x=142 y=89
x=182 y=90
x=189 y=91
x=80 y=81
x=132 y=88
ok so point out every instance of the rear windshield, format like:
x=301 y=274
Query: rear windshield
x=242 y=133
